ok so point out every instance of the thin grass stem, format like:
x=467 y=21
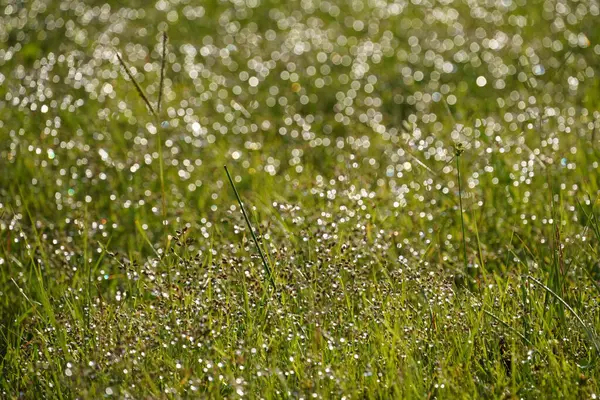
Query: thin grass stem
x=162 y=71
x=141 y=93
x=262 y=256
x=462 y=219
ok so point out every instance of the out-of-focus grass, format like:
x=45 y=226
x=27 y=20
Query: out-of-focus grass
x=339 y=120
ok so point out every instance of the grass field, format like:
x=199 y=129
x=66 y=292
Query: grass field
x=421 y=179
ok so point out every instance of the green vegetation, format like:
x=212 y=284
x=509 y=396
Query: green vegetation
x=419 y=181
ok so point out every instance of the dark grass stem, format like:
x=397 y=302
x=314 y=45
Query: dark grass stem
x=162 y=71
x=138 y=88
x=262 y=256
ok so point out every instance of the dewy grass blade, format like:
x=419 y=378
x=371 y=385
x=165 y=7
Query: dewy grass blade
x=458 y=152
x=262 y=256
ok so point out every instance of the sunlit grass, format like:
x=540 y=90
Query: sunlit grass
x=410 y=208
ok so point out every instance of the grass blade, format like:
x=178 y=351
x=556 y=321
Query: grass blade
x=587 y=330
x=458 y=151
x=510 y=328
x=262 y=256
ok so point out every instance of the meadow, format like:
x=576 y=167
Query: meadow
x=410 y=206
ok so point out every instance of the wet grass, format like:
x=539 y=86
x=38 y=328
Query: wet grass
x=410 y=207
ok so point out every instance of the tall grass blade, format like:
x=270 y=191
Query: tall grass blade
x=262 y=256
x=458 y=151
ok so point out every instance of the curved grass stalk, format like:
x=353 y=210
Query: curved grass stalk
x=591 y=335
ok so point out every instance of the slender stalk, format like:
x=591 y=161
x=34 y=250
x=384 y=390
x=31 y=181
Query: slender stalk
x=154 y=112
x=262 y=256
x=88 y=269
x=162 y=71
x=462 y=219
x=161 y=169
x=158 y=122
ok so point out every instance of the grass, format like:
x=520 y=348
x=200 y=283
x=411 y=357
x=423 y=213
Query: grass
x=403 y=266
x=249 y=225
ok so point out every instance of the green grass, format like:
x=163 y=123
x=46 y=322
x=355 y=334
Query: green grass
x=405 y=232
